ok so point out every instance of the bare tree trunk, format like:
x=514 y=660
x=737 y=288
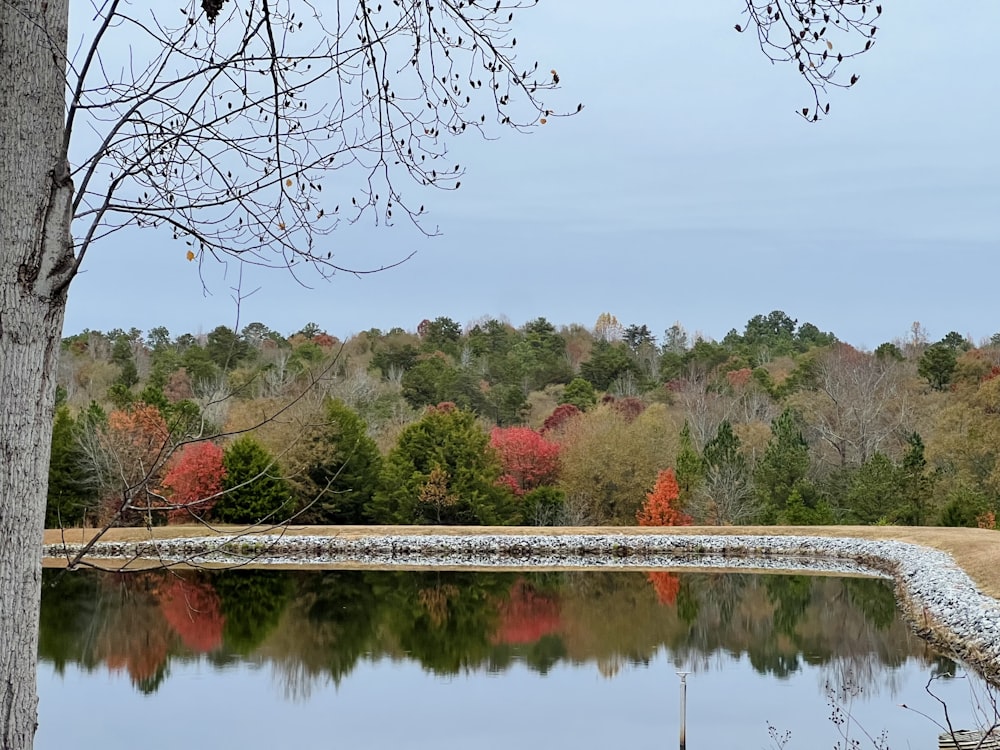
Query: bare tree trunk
x=35 y=266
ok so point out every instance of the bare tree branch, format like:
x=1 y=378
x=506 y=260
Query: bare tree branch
x=817 y=36
x=213 y=139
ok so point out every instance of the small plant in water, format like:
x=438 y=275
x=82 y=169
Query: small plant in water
x=778 y=739
x=841 y=701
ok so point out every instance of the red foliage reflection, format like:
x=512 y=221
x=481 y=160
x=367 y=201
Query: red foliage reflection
x=193 y=611
x=527 y=616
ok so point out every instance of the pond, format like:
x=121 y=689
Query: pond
x=389 y=659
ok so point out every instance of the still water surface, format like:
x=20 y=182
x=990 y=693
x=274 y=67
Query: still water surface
x=377 y=659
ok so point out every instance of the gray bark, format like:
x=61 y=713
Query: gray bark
x=36 y=260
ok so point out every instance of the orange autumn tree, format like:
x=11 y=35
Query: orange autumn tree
x=194 y=481
x=126 y=456
x=660 y=508
x=133 y=636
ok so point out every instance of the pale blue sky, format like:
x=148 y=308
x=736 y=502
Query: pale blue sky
x=687 y=190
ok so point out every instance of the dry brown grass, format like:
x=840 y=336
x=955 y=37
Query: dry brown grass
x=977 y=551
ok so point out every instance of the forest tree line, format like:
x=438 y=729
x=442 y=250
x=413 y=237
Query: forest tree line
x=489 y=423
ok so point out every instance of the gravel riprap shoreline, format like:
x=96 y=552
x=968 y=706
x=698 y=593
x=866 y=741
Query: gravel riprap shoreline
x=938 y=599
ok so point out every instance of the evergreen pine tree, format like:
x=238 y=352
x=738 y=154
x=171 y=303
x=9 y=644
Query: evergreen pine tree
x=255 y=491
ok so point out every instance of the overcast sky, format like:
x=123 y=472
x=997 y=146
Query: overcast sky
x=687 y=190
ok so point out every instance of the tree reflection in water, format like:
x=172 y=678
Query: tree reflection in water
x=314 y=627
x=759 y=648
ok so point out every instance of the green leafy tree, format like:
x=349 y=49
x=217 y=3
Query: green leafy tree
x=580 y=393
x=309 y=331
x=608 y=362
x=532 y=357
x=964 y=505
x=395 y=357
x=255 y=334
x=441 y=334
x=543 y=506
x=671 y=366
x=442 y=470
x=937 y=365
x=254 y=489
x=69 y=495
x=726 y=496
x=874 y=488
x=783 y=468
x=638 y=336
x=158 y=338
x=123 y=355
x=342 y=473
x=888 y=350
x=491 y=338
x=503 y=403
x=704 y=356
x=196 y=360
x=435 y=380
x=808 y=336
x=540 y=334
x=804 y=377
x=690 y=469
x=773 y=334
x=427 y=382
x=164 y=362
x=226 y=348
x=917 y=485
x=307 y=356
x=955 y=341
x=798 y=512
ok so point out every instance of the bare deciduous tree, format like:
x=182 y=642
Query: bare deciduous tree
x=703 y=406
x=859 y=406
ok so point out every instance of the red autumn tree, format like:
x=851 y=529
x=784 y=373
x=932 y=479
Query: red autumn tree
x=529 y=461
x=559 y=417
x=629 y=407
x=660 y=506
x=194 y=480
